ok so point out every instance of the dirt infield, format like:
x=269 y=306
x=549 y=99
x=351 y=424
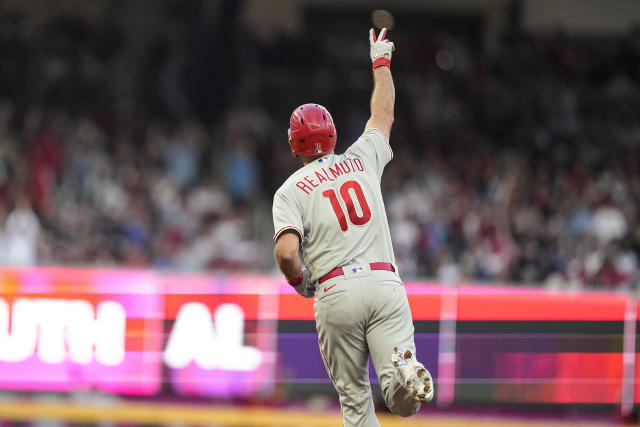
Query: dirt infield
x=201 y=415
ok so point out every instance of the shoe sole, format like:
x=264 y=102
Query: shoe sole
x=418 y=383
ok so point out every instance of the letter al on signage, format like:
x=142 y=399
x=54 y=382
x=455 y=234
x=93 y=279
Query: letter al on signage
x=212 y=343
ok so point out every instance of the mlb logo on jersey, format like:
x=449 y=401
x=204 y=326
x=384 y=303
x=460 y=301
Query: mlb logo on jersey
x=323 y=159
x=356 y=270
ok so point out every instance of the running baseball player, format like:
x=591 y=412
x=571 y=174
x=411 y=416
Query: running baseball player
x=333 y=208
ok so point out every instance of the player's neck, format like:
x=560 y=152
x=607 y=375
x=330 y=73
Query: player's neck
x=308 y=159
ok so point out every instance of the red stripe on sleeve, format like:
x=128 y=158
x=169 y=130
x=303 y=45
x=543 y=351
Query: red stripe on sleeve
x=287 y=227
x=385 y=140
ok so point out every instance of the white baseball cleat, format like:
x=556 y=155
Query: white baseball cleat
x=416 y=379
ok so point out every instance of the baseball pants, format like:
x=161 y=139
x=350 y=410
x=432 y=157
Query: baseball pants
x=357 y=314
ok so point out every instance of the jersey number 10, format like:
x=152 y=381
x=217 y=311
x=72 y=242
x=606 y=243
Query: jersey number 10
x=348 y=201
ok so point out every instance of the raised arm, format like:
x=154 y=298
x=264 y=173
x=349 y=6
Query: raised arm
x=384 y=95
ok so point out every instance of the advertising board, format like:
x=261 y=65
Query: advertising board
x=136 y=332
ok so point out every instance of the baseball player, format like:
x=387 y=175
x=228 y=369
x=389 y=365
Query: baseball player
x=333 y=208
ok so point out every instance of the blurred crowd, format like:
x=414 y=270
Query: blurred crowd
x=73 y=195
x=519 y=165
x=531 y=166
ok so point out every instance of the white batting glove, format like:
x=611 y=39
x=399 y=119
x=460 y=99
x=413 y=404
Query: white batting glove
x=301 y=284
x=379 y=48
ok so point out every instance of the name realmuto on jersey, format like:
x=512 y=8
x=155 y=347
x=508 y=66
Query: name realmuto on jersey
x=346 y=166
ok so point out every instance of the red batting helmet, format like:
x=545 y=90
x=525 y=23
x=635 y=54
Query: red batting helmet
x=311 y=130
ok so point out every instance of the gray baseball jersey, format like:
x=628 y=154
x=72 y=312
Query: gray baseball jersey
x=335 y=204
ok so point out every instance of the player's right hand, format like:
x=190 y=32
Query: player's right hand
x=305 y=288
x=380 y=48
